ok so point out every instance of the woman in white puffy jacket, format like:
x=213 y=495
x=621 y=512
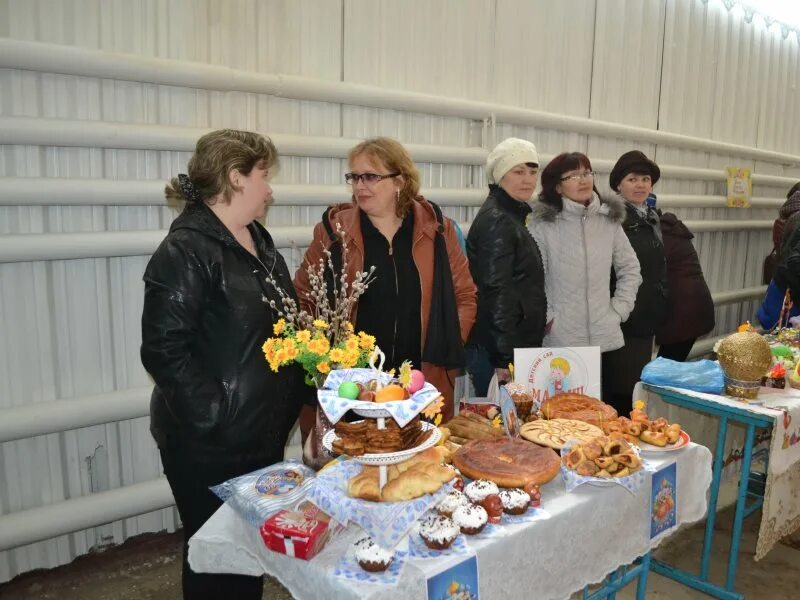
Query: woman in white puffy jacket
x=581 y=240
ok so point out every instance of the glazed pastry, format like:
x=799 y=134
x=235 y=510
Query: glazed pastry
x=592 y=450
x=575 y=457
x=655 y=438
x=476 y=491
x=438 y=532
x=612 y=447
x=628 y=459
x=673 y=433
x=603 y=461
x=451 y=502
x=470 y=518
x=372 y=557
x=587 y=468
x=635 y=429
x=515 y=501
x=603 y=474
x=624 y=472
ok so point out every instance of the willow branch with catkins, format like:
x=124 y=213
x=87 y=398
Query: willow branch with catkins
x=345 y=295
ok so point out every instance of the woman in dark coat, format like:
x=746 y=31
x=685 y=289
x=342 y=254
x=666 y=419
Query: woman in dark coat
x=633 y=178
x=217 y=410
x=691 y=308
x=506 y=265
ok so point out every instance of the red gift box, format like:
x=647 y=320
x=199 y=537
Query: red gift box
x=300 y=533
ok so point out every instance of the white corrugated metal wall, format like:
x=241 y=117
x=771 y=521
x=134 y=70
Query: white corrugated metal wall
x=88 y=151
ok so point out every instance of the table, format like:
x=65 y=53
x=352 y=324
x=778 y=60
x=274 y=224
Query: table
x=591 y=531
x=780 y=517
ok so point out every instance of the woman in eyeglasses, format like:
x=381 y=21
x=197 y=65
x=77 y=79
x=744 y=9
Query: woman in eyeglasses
x=581 y=239
x=389 y=226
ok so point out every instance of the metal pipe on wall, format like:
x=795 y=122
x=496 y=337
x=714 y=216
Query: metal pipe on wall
x=70 y=60
x=103 y=244
x=49 y=521
x=34 y=131
x=59 y=191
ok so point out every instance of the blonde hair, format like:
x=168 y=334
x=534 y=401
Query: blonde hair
x=392 y=155
x=215 y=156
x=560 y=363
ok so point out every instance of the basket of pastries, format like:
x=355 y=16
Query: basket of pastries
x=604 y=457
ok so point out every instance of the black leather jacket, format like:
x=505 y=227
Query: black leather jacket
x=204 y=322
x=650 y=309
x=506 y=265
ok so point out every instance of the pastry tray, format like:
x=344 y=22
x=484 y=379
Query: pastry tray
x=389 y=458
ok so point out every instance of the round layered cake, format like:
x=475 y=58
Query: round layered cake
x=510 y=463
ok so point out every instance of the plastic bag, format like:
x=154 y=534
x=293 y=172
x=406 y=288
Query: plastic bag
x=698 y=376
x=260 y=494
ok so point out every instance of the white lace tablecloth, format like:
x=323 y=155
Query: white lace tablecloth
x=781 y=510
x=590 y=532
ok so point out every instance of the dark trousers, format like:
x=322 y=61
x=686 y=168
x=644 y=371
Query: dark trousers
x=621 y=371
x=678 y=351
x=189 y=477
x=480 y=369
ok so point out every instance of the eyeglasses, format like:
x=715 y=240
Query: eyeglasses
x=579 y=176
x=368 y=178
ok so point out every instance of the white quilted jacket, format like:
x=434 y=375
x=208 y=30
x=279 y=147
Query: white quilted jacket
x=579 y=245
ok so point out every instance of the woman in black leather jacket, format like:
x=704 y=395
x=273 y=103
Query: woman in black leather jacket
x=217 y=410
x=506 y=265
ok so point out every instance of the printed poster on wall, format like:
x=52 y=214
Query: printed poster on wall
x=740 y=187
x=551 y=371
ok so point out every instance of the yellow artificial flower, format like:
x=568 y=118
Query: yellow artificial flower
x=323 y=367
x=291 y=353
x=337 y=355
x=280 y=356
x=320 y=324
x=434 y=408
x=268 y=345
x=349 y=327
x=350 y=359
x=270 y=354
x=289 y=344
x=351 y=343
x=319 y=346
x=405 y=373
x=303 y=336
x=273 y=365
x=279 y=327
x=366 y=341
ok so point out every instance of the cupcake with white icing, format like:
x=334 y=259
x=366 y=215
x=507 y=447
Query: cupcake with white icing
x=471 y=519
x=515 y=501
x=438 y=532
x=372 y=557
x=477 y=490
x=450 y=502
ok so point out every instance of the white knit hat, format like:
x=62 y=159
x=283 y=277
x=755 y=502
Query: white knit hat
x=508 y=154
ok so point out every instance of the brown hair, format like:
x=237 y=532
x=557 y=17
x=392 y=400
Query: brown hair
x=215 y=156
x=551 y=176
x=392 y=155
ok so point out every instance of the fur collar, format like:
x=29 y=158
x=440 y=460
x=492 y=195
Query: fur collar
x=612 y=207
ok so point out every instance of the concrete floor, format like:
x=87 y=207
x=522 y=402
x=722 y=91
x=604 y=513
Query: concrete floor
x=148 y=568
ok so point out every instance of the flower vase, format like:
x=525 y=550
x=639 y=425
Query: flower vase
x=314 y=454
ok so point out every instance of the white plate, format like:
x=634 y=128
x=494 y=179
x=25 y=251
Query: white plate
x=682 y=442
x=389 y=458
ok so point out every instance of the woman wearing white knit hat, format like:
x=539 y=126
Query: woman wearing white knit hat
x=506 y=265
